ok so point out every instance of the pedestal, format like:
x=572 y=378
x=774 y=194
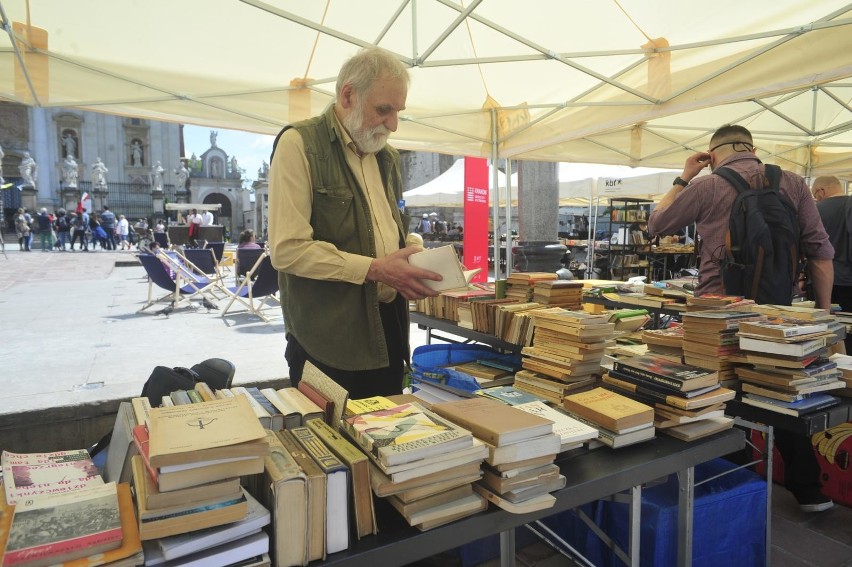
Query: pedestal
x=537 y=256
x=29 y=198
x=158 y=201
x=99 y=199
x=182 y=196
x=70 y=197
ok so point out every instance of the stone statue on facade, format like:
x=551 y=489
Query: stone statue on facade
x=136 y=154
x=213 y=134
x=2 y=155
x=157 y=177
x=99 y=171
x=214 y=168
x=70 y=172
x=70 y=145
x=182 y=174
x=29 y=170
x=235 y=168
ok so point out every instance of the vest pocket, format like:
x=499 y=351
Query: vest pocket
x=333 y=216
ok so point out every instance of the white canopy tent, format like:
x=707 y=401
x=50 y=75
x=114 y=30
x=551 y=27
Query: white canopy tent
x=447 y=190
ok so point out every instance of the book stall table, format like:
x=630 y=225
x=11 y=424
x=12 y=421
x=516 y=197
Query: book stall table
x=590 y=475
x=468 y=335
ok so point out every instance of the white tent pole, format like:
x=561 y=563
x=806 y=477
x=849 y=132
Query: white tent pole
x=590 y=234
x=509 y=217
x=495 y=207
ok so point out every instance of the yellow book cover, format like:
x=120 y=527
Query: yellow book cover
x=609 y=409
x=366 y=405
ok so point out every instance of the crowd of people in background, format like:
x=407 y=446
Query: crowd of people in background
x=431 y=227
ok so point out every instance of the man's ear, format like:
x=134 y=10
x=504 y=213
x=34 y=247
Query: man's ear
x=347 y=96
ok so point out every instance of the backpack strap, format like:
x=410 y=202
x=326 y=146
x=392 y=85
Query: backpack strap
x=772 y=172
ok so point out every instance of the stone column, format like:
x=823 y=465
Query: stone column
x=538 y=249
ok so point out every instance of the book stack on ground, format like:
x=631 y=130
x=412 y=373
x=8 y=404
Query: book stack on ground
x=844 y=365
x=710 y=340
x=519 y=473
x=619 y=420
x=55 y=508
x=667 y=343
x=567 y=349
x=559 y=293
x=688 y=400
x=789 y=372
x=521 y=285
x=422 y=463
x=187 y=474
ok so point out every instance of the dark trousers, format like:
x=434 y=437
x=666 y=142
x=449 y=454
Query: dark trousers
x=84 y=242
x=360 y=383
x=801 y=469
x=110 y=239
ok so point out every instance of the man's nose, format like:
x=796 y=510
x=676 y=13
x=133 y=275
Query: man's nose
x=392 y=121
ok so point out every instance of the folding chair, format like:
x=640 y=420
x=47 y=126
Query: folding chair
x=259 y=285
x=246 y=259
x=188 y=276
x=159 y=275
x=218 y=249
x=204 y=262
x=162 y=240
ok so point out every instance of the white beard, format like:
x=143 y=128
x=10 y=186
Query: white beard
x=368 y=141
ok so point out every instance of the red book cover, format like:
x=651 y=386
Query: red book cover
x=140 y=439
x=324 y=403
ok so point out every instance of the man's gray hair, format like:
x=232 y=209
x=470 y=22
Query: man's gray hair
x=366 y=66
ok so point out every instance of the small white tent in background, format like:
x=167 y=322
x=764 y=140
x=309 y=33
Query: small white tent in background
x=447 y=190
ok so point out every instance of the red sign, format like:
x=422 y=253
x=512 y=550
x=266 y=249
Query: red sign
x=476 y=216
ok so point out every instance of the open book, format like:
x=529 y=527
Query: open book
x=444 y=261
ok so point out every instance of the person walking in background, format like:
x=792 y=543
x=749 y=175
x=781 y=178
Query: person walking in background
x=108 y=224
x=22 y=230
x=45 y=230
x=707 y=201
x=99 y=235
x=835 y=210
x=62 y=225
x=122 y=230
x=80 y=224
x=343 y=272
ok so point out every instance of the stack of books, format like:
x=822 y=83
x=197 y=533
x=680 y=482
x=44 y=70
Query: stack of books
x=789 y=372
x=710 y=340
x=519 y=473
x=520 y=286
x=619 y=420
x=421 y=462
x=688 y=401
x=489 y=373
x=187 y=473
x=559 y=293
x=446 y=304
x=666 y=343
x=628 y=320
x=844 y=365
x=567 y=349
x=714 y=302
x=43 y=499
x=512 y=322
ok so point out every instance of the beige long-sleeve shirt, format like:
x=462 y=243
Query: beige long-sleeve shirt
x=291 y=242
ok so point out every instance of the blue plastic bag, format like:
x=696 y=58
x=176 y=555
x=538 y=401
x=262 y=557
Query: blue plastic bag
x=428 y=363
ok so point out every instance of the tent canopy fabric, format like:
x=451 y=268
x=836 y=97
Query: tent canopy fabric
x=633 y=82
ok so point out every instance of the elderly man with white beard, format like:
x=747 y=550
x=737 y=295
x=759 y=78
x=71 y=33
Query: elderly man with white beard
x=338 y=238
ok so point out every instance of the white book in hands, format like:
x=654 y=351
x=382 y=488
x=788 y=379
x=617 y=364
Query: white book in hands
x=443 y=260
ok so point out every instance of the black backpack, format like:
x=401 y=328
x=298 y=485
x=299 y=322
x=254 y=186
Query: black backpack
x=762 y=243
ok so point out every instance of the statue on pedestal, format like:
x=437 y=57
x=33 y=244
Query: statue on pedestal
x=136 y=154
x=235 y=168
x=157 y=177
x=28 y=169
x=99 y=171
x=70 y=145
x=182 y=174
x=213 y=134
x=70 y=172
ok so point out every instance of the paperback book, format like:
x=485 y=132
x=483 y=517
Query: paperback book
x=30 y=476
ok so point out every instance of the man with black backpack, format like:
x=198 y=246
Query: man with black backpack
x=756 y=222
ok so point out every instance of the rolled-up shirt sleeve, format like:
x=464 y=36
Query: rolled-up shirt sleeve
x=291 y=238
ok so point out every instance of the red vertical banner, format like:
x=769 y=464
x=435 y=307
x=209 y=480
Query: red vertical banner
x=476 y=216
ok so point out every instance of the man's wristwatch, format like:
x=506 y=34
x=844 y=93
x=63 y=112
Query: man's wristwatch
x=679 y=181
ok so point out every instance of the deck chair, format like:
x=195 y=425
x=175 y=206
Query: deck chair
x=258 y=287
x=160 y=276
x=246 y=259
x=218 y=249
x=162 y=240
x=203 y=261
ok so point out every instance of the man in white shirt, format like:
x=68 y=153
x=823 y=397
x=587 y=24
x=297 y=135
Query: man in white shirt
x=206 y=218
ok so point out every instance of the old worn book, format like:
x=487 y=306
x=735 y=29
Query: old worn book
x=494 y=422
x=48 y=530
x=30 y=476
x=305 y=407
x=436 y=488
x=337 y=488
x=328 y=389
x=792 y=395
x=444 y=261
x=812 y=403
x=121 y=446
x=546 y=485
x=202 y=432
x=177 y=546
x=500 y=484
x=384 y=486
x=226 y=489
x=436 y=463
x=205 y=390
x=141 y=409
x=543 y=445
x=246 y=551
x=541 y=502
x=645 y=384
x=651 y=396
x=672 y=336
x=699 y=429
x=326 y=405
x=362 y=507
x=407 y=509
x=405 y=433
x=717 y=320
x=509 y=395
x=316 y=484
x=570 y=430
x=266 y=413
x=180 y=397
x=781 y=328
x=284 y=491
x=617 y=440
x=768 y=346
x=682 y=377
x=609 y=409
x=291 y=416
x=773 y=378
x=203 y=473
x=470 y=503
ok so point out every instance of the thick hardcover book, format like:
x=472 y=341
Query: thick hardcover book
x=359 y=469
x=405 y=433
x=316 y=484
x=202 y=432
x=227 y=489
x=494 y=422
x=284 y=491
x=326 y=405
x=182 y=545
x=268 y=419
x=292 y=417
x=683 y=377
x=328 y=389
x=306 y=408
x=609 y=409
x=337 y=489
x=31 y=476
x=121 y=446
x=48 y=530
